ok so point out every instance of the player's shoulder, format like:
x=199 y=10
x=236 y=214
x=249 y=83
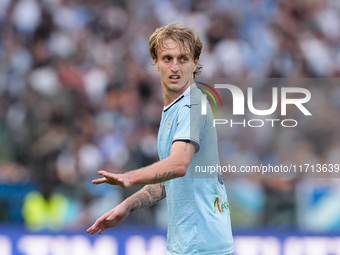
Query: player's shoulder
x=194 y=97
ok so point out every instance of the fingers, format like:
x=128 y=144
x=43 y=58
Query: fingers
x=111 y=217
x=101 y=231
x=97 y=226
x=100 y=225
x=104 y=179
x=106 y=174
x=93 y=229
x=99 y=181
x=89 y=230
x=113 y=179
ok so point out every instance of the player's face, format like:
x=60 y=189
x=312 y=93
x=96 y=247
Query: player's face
x=176 y=67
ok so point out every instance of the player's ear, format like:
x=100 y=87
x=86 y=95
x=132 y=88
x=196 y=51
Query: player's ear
x=156 y=64
x=195 y=64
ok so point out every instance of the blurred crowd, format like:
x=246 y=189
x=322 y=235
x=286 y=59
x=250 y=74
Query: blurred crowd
x=79 y=93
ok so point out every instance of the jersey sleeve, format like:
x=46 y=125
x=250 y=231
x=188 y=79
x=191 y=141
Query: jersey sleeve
x=190 y=123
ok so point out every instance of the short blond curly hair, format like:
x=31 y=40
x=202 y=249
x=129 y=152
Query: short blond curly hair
x=184 y=36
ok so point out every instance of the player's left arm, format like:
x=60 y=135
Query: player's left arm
x=174 y=166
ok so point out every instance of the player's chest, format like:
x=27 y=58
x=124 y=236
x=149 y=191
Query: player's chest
x=165 y=137
x=167 y=128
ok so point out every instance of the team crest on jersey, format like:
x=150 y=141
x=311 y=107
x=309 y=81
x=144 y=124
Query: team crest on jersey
x=220 y=207
x=169 y=126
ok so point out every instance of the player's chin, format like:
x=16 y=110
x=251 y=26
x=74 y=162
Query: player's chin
x=176 y=86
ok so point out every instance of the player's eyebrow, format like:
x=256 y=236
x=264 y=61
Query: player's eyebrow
x=171 y=56
x=166 y=55
x=184 y=55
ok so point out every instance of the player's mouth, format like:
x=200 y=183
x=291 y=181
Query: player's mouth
x=174 y=78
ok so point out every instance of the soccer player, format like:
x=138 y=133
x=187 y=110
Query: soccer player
x=198 y=209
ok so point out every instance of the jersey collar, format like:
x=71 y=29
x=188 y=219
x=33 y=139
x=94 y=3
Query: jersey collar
x=180 y=97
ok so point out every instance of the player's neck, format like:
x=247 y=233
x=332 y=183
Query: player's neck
x=170 y=96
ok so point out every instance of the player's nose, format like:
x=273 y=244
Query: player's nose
x=174 y=66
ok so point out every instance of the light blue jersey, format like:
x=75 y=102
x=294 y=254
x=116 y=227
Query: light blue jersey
x=198 y=208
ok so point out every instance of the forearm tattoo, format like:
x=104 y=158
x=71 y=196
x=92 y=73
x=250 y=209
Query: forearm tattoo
x=148 y=196
x=165 y=176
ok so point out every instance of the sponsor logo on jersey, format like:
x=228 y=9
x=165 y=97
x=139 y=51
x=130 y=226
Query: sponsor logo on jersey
x=220 y=207
x=189 y=105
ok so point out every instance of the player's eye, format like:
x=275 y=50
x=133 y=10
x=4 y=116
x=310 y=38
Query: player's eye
x=167 y=58
x=184 y=59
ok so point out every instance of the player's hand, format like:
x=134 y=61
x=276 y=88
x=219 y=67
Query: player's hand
x=110 y=219
x=113 y=179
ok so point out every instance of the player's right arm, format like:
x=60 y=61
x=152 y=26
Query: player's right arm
x=147 y=196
